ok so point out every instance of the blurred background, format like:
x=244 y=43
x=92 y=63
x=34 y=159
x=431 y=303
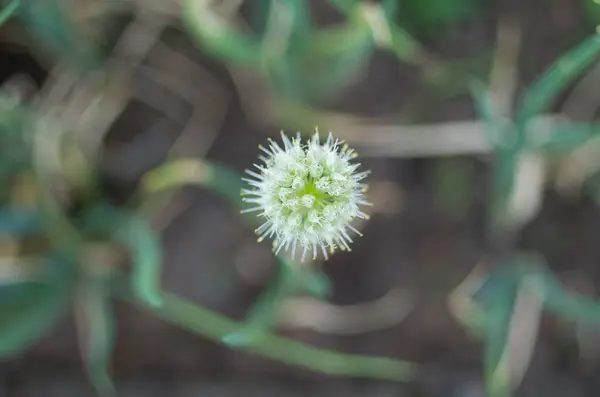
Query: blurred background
x=142 y=81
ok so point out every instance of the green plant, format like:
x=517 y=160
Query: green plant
x=82 y=237
x=495 y=299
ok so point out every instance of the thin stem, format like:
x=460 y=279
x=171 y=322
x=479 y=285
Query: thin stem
x=205 y=322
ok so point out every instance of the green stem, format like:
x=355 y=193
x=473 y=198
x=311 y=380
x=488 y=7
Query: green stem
x=199 y=320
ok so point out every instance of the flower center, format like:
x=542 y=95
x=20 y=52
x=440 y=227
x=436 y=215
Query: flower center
x=310 y=189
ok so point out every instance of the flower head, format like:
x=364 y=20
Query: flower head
x=307 y=193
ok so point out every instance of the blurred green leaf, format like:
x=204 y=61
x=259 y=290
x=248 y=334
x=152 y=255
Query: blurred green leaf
x=316 y=77
x=97 y=331
x=499 y=319
x=390 y=7
x=590 y=10
x=26 y=316
x=512 y=138
x=8 y=11
x=287 y=32
x=320 y=63
x=505 y=296
x=551 y=83
x=48 y=21
x=259 y=16
x=484 y=107
x=433 y=13
x=565 y=304
x=336 y=40
x=564 y=137
x=217 y=36
x=507 y=144
x=404 y=46
x=305 y=64
x=500 y=281
x=301 y=21
x=147 y=258
x=145 y=248
x=15 y=155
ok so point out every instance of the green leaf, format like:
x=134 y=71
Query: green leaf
x=320 y=76
x=590 y=10
x=216 y=36
x=433 y=13
x=47 y=20
x=484 y=108
x=564 y=137
x=507 y=156
x=495 y=284
x=27 y=314
x=15 y=154
x=390 y=7
x=259 y=15
x=319 y=63
x=499 y=317
x=503 y=175
x=565 y=304
x=287 y=32
x=147 y=258
x=301 y=21
x=404 y=45
x=96 y=327
x=7 y=12
x=540 y=96
x=501 y=295
x=145 y=247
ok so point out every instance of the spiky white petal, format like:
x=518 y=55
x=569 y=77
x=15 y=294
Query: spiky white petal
x=307 y=193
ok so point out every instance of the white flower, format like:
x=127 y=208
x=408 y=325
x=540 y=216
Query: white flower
x=308 y=194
